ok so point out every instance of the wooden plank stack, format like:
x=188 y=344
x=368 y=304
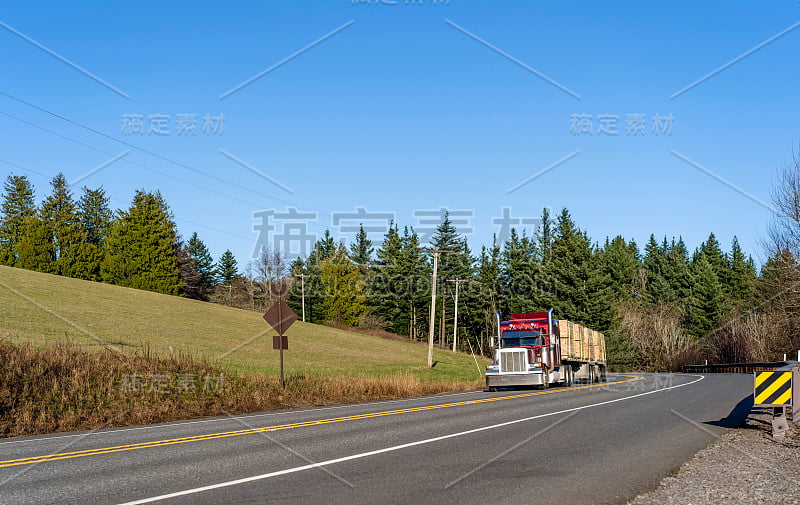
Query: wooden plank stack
x=579 y=343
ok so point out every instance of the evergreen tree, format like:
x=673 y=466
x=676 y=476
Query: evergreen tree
x=18 y=205
x=546 y=237
x=414 y=292
x=94 y=216
x=620 y=260
x=602 y=295
x=361 y=250
x=343 y=283
x=707 y=303
x=519 y=275
x=741 y=280
x=679 y=275
x=569 y=269
x=191 y=279
x=713 y=253
x=35 y=250
x=489 y=295
x=315 y=296
x=389 y=283
x=203 y=264
x=60 y=214
x=455 y=264
x=227 y=269
x=658 y=289
x=140 y=251
x=323 y=248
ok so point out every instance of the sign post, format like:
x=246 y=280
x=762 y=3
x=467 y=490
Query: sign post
x=280 y=316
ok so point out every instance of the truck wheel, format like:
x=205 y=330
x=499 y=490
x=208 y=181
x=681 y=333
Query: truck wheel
x=492 y=390
x=570 y=377
x=592 y=375
x=546 y=383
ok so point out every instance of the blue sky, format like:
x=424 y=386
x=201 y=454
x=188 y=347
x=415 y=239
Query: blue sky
x=413 y=106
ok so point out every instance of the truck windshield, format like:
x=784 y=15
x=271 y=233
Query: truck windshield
x=520 y=338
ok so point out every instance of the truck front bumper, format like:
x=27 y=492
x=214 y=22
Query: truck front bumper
x=497 y=380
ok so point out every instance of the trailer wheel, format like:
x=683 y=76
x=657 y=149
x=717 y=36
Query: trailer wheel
x=570 y=380
x=603 y=377
x=592 y=375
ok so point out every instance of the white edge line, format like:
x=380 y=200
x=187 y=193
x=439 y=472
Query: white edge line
x=389 y=449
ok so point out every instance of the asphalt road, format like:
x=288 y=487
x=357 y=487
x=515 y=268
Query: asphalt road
x=586 y=444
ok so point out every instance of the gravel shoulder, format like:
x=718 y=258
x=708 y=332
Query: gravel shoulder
x=744 y=465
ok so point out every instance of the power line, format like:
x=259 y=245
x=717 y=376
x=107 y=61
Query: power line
x=151 y=153
x=41 y=174
x=96 y=149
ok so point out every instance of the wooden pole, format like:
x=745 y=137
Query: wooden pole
x=433 y=309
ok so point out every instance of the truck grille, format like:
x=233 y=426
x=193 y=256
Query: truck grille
x=513 y=361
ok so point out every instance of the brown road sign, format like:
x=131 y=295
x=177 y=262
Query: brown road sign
x=280 y=342
x=280 y=316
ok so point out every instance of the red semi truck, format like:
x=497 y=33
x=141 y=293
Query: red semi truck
x=536 y=350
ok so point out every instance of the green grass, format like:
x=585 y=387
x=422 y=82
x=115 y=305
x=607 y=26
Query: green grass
x=42 y=310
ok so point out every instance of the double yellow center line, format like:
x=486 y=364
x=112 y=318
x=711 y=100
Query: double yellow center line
x=212 y=436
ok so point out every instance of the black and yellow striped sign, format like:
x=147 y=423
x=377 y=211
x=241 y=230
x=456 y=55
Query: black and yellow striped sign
x=773 y=388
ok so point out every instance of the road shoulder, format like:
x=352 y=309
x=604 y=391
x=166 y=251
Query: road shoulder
x=744 y=466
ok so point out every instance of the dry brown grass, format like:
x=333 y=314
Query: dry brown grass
x=657 y=337
x=66 y=388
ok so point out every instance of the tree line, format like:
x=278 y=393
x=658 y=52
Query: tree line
x=138 y=247
x=659 y=306
x=608 y=287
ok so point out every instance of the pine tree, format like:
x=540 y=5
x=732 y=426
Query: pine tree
x=519 y=275
x=619 y=259
x=35 y=249
x=680 y=277
x=18 y=205
x=60 y=214
x=315 y=296
x=323 y=248
x=569 y=270
x=658 y=289
x=227 y=269
x=203 y=264
x=94 y=216
x=361 y=250
x=489 y=295
x=140 y=251
x=741 y=279
x=94 y=213
x=191 y=279
x=707 y=303
x=414 y=292
x=343 y=283
x=455 y=264
x=713 y=253
x=389 y=282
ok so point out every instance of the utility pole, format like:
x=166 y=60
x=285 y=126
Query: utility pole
x=435 y=253
x=455 y=315
x=303 y=292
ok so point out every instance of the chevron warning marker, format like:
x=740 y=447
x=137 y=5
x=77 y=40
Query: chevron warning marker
x=772 y=388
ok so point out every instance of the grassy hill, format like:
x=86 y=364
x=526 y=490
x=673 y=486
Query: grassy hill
x=42 y=310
